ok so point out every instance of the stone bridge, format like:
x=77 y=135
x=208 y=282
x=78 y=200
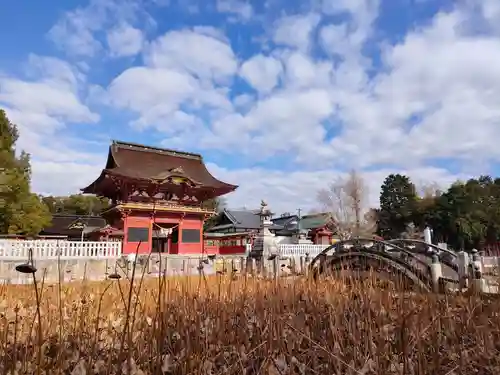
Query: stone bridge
x=415 y=264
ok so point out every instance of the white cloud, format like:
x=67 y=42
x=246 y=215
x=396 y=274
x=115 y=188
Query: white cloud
x=44 y=98
x=197 y=53
x=284 y=191
x=432 y=95
x=156 y=94
x=243 y=102
x=321 y=97
x=212 y=32
x=64 y=178
x=42 y=107
x=287 y=191
x=261 y=72
x=449 y=94
x=360 y=14
x=240 y=8
x=295 y=31
x=184 y=72
x=303 y=72
x=77 y=31
x=164 y=86
x=75 y=34
x=49 y=99
x=124 y=40
x=49 y=69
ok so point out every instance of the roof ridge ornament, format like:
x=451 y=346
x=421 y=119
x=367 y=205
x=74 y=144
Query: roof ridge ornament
x=161 y=176
x=178 y=169
x=172 y=172
x=263 y=205
x=77 y=224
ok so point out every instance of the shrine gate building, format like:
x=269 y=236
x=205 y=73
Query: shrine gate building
x=157 y=197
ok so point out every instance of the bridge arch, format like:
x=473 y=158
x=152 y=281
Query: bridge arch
x=399 y=259
x=359 y=263
x=446 y=257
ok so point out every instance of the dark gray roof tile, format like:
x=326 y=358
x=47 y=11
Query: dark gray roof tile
x=244 y=218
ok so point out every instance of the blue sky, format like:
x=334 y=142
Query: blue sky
x=280 y=97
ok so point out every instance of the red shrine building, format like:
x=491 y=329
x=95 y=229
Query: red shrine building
x=157 y=197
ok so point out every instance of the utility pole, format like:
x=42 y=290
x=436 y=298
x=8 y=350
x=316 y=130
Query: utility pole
x=299 y=218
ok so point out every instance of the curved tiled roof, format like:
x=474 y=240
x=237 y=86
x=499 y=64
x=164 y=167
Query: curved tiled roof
x=140 y=162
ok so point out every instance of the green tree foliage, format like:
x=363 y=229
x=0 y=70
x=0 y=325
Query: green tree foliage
x=465 y=216
x=21 y=212
x=468 y=214
x=217 y=204
x=76 y=204
x=398 y=201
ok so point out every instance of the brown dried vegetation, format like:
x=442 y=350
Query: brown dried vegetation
x=222 y=326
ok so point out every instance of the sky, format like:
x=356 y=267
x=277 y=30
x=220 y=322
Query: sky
x=281 y=97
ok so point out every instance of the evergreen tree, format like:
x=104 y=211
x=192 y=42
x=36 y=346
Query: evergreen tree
x=467 y=214
x=21 y=212
x=398 y=200
x=76 y=204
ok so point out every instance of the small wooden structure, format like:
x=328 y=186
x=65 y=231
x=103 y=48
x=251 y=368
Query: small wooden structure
x=72 y=227
x=228 y=243
x=321 y=236
x=106 y=233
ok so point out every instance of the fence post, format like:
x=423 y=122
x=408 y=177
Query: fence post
x=463 y=269
x=436 y=272
x=322 y=265
x=275 y=268
x=243 y=268
x=306 y=264
x=477 y=272
x=293 y=270
x=301 y=261
x=477 y=279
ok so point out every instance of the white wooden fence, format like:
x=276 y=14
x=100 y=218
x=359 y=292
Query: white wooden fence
x=248 y=248
x=53 y=249
x=293 y=250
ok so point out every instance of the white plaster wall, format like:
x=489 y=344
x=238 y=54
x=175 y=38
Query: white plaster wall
x=284 y=240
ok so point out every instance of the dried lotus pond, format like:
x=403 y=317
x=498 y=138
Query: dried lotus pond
x=224 y=326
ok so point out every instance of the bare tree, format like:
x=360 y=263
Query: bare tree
x=411 y=232
x=428 y=190
x=346 y=202
x=369 y=223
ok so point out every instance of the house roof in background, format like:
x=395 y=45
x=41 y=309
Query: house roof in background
x=73 y=225
x=284 y=220
x=242 y=219
x=306 y=222
x=314 y=221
